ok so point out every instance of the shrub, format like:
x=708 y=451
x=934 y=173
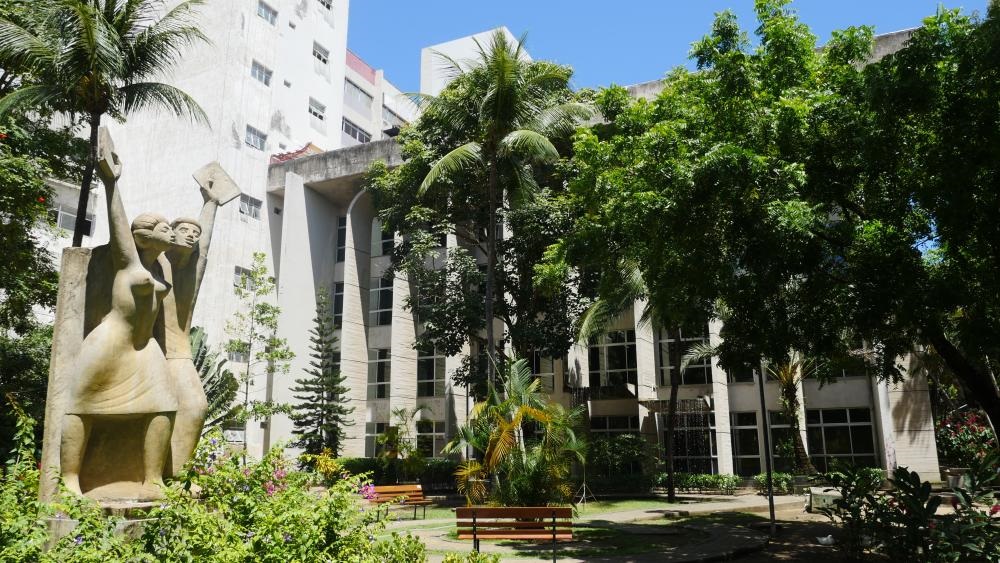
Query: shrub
x=781 y=482
x=701 y=482
x=256 y=511
x=904 y=523
x=471 y=557
x=964 y=438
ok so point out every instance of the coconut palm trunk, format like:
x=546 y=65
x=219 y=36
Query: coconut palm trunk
x=790 y=406
x=88 y=177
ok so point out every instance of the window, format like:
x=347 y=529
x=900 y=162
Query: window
x=607 y=426
x=250 y=206
x=388 y=241
x=391 y=118
x=844 y=435
x=269 y=14
x=379 y=373
x=613 y=364
x=64 y=217
x=740 y=375
x=543 y=368
x=746 y=446
x=261 y=73
x=694 y=438
x=255 y=138
x=241 y=278
x=317 y=110
x=357 y=98
x=372 y=431
x=338 y=305
x=782 y=439
x=380 y=302
x=698 y=372
x=355 y=132
x=328 y=4
x=239 y=351
x=321 y=53
x=430 y=437
x=430 y=373
x=341 y=238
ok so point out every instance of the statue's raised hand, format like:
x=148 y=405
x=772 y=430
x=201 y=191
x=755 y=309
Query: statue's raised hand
x=109 y=166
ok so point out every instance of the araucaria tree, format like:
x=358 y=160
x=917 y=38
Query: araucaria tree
x=92 y=58
x=322 y=412
x=483 y=156
x=253 y=337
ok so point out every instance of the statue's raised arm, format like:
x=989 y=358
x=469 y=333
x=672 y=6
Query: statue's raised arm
x=109 y=170
x=188 y=260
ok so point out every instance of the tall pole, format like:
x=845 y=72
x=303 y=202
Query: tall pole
x=767 y=447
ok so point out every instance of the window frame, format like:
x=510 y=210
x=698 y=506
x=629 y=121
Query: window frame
x=820 y=457
x=261 y=73
x=665 y=341
x=250 y=206
x=267 y=12
x=734 y=428
x=436 y=383
x=255 y=138
x=317 y=109
x=380 y=316
x=379 y=374
x=358 y=134
x=321 y=53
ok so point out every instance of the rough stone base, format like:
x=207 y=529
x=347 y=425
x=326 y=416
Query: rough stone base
x=132 y=525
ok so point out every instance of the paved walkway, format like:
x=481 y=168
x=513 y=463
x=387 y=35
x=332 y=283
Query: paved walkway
x=715 y=541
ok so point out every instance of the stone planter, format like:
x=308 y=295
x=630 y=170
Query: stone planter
x=956 y=477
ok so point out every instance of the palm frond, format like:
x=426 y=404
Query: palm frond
x=32 y=97
x=155 y=95
x=462 y=158
x=697 y=353
x=19 y=48
x=561 y=121
x=528 y=145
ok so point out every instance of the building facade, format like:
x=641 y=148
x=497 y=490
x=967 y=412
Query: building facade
x=622 y=378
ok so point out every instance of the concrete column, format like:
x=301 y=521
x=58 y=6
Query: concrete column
x=720 y=404
x=913 y=425
x=458 y=403
x=882 y=417
x=353 y=335
x=309 y=231
x=645 y=352
x=403 y=387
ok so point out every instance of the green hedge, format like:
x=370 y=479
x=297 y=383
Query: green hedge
x=434 y=474
x=782 y=482
x=702 y=482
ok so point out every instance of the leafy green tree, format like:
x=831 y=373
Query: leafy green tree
x=221 y=386
x=94 y=58
x=323 y=410
x=482 y=149
x=815 y=194
x=24 y=376
x=253 y=335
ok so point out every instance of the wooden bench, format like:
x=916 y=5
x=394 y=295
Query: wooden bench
x=548 y=523
x=406 y=495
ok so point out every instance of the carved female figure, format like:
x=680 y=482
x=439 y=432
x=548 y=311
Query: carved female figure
x=121 y=371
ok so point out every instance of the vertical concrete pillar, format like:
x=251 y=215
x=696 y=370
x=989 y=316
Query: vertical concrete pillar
x=720 y=405
x=457 y=400
x=913 y=425
x=882 y=415
x=403 y=386
x=645 y=352
x=308 y=229
x=354 y=335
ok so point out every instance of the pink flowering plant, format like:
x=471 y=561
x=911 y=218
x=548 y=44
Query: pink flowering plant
x=964 y=438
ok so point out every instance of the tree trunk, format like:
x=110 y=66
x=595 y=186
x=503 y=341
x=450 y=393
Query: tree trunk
x=88 y=179
x=981 y=387
x=675 y=382
x=791 y=407
x=491 y=262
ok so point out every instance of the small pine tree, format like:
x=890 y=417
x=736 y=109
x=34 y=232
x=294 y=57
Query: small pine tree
x=322 y=413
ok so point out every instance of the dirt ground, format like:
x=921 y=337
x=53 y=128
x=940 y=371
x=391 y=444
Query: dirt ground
x=796 y=539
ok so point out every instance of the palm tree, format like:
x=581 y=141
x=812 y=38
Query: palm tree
x=535 y=472
x=92 y=58
x=514 y=118
x=220 y=384
x=789 y=375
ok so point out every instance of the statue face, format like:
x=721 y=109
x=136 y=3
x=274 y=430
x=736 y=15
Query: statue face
x=186 y=235
x=157 y=238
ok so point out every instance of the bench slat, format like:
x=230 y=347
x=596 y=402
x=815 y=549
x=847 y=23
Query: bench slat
x=510 y=524
x=516 y=536
x=466 y=513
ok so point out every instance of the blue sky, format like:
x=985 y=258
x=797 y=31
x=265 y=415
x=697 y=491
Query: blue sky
x=619 y=41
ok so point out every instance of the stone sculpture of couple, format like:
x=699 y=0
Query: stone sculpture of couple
x=126 y=405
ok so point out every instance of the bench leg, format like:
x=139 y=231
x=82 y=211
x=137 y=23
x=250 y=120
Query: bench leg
x=414 y=512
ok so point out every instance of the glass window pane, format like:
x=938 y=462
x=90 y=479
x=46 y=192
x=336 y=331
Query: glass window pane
x=838 y=440
x=746 y=441
x=812 y=416
x=861 y=415
x=835 y=416
x=861 y=438
x=814 y=440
